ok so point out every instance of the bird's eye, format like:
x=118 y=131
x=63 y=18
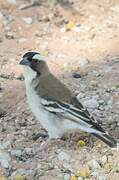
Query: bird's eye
x=35 y=60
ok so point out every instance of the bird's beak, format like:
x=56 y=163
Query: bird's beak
x=25 y=62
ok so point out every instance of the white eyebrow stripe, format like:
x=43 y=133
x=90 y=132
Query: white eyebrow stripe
x=39 y=57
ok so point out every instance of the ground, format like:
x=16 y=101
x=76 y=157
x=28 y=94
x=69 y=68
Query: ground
x=79 y=39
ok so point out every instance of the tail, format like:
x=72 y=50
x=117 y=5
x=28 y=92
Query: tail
x=109 y=140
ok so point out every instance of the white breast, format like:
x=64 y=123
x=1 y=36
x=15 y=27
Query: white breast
x=29 y=74
x=33 y=98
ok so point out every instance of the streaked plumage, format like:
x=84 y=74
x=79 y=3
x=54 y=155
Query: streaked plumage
x=57 y=109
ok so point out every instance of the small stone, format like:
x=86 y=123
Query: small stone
x=80 y=178
x=80 y=96
x=22 y=6
x=76 y=29
x=93 y=164
x=4 y=159
x=28 y=20
x=94 y=83
x=24 y=132
x=17 y=153
x=9 y=19
x=101 y=102
x=104 y=159
x=12 y=1
x=113 y=126
x=5 y=145
x=83 y=62
x=91 y=103
x=76 y=75
x=4 y=163
x=63 y=30
x=102 y=177
x=28 y=151
x=63 y=156
x=9 y=35
x=115 y=8
x=66 y=177
x=95 y=174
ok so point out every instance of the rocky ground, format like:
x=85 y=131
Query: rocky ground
x=80 y=42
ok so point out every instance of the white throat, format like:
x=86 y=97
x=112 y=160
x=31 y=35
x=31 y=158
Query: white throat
x=29 y=74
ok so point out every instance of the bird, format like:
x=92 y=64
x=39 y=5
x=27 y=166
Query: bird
x=54 y=105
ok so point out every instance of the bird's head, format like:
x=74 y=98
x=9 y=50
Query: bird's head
x=34 y=61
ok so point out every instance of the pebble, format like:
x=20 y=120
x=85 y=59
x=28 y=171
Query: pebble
x=63 y=156
x=8 y=19
x=76 y=29
x=95 y=174
x=83 y=62
x=104 y=159
x=80 y=96
x=102 y=177
x=4 y=163
x=5 y=145
x=80 y=178
x=4 y=159
x=115 y=8
x=63 y=30
x=22 y=6
x=66 y=177
x=9 y=35
x=101 y=102
x=91 y=103
x=76 y=75
x=28 y=20
x=94 y=83
x=12 y=1
x=113 y=126
x=17 y=152
x=93 y=164
x=28 y=151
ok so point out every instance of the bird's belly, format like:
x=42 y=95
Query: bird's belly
x=43 y=116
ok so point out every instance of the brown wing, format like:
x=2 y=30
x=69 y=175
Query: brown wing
x=50 y=87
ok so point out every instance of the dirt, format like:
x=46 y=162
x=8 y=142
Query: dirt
x=97 y=42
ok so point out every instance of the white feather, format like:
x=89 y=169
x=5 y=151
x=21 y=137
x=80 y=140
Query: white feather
x=29 y=74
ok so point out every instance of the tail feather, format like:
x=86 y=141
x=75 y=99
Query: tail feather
x=108 y=139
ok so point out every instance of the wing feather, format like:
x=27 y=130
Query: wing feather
x=71 y=112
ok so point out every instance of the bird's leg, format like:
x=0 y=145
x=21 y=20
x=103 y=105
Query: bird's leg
x=90 y=140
